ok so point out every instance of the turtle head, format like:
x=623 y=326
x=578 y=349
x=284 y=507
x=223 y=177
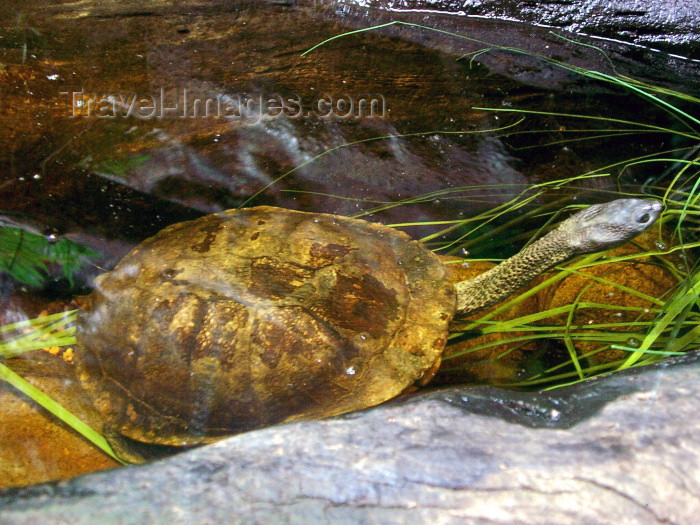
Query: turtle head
x=602 y=226
x=596 y=228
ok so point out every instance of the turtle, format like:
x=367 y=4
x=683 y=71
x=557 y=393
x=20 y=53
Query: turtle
x=257 y=316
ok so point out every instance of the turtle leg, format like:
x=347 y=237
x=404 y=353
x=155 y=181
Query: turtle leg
x=132 y=451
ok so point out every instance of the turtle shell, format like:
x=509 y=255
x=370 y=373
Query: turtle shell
x=251 y=317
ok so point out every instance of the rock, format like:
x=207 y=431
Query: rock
x=656 y=40
x=667 y=25
x=33 y=446
x=620 y=449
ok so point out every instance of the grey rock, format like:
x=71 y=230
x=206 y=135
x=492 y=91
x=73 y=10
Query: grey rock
x=653 y=46
x=667 y=25
x=620 y=449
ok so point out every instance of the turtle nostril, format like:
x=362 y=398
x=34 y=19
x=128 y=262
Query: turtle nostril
x=643 y=218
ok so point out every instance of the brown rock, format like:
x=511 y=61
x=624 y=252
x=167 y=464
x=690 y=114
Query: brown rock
x=34 y=446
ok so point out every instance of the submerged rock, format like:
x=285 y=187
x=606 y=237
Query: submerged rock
x=623 y=448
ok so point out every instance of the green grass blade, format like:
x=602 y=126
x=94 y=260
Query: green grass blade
x=57 y=410
x=37 y=333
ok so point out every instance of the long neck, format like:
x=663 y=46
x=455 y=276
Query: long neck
x=498 y=283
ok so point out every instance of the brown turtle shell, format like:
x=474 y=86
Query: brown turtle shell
x=251 y=317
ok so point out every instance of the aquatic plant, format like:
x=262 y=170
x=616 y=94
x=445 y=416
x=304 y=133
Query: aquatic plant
x=26 y=256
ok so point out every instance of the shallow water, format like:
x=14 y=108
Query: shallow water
x=73 y=163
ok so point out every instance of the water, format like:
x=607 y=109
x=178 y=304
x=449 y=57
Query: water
x=73 y=163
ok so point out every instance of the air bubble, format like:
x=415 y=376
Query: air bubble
x=660 y=245
x=633 y=342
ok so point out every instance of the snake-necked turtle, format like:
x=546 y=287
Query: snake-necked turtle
x=251 y=317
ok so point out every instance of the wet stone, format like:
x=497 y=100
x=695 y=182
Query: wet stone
x=620 y=448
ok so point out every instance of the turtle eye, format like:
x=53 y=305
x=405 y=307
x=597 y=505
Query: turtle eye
x=643 y=218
